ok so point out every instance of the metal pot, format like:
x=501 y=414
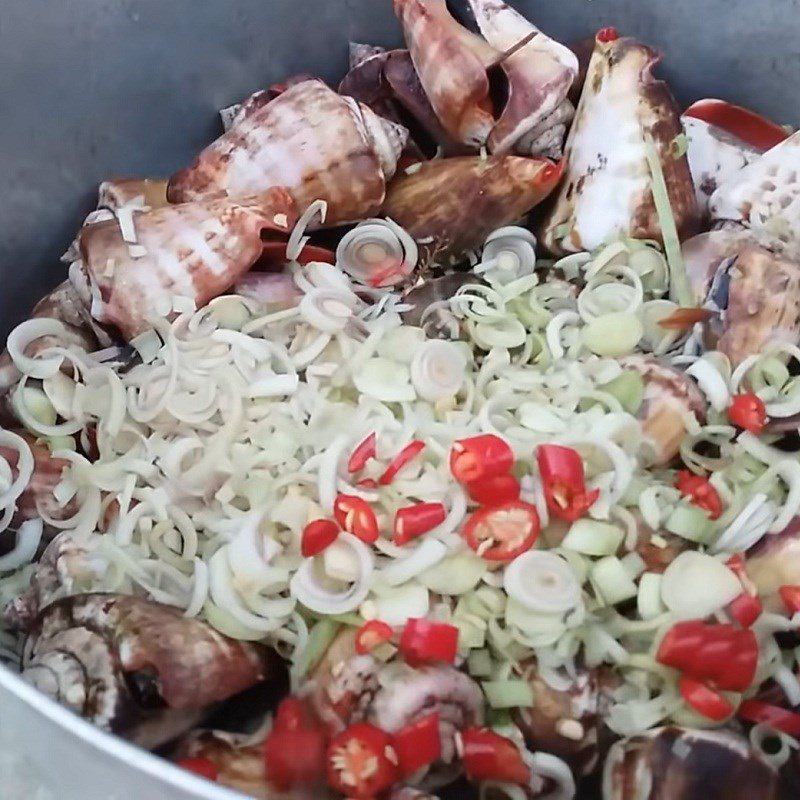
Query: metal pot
x=91 y=89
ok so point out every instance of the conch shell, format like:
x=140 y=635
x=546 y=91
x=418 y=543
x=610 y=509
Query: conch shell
x=607 y=191
x=669 y=396
x=714 y=156
x=452 y=64
x=758 y=295
x=539 y=75
x=684 y=764
x=137 y=668
x=196 y=250
x=451 y=205
x=317 y=144
x=765 y=195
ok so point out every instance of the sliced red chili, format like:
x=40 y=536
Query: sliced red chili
x=747 y=411
x=424 y=641
x=367 y=483
x=747 y=125
x=318 y=535
x=413 y=521
x=409 y=452
x=791 y=598
x=721 y=655
x=362 y=454
x=372 y=634
x=418 y=744
x=699 y=491
x=564 y=482
x=362 y=762
x=294 y=750
x=704 y=700
x=746 y=609
x=200 y=766
x=777 y=718
x=355 y=516
x=480 y=457
x=501 y=533
x=488 y=756
x=494 y=490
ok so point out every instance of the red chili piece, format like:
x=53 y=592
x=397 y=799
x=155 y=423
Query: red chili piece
x=791 y=598
x=408 y=453
x=747 y=607
x=502 y=533
x=274 y=253
x=418 y=744
x=703 y=699
x=413 y=521
x=362 y=762
x=609 y=34
x=355 y=516
x=200 y=766
x=480 y=457
x=372 y=634
x=495 y=490
x=780 y=719
x=362 y=454
x=722 y=656
x=747 y=411
x=564 y=482
x=318 y=535
x=700 y=492
x=490 y=756
x=426 y=642
x=294 y=750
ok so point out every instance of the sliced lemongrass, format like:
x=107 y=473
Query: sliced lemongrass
x=696 y=585
x=25 y=334
x=612 y=581
x=437 y=370
x=648 y=597
x=593 y=538
x=297 y=240
x=542 y=582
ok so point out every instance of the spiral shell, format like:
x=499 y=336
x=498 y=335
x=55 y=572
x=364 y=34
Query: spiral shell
x=319 y=145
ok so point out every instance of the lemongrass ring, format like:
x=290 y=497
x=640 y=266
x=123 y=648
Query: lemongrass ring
x=306 y=588
x=327 y=310
x=510 y=250
x=542 y=582
x=377 y=253
x=27 y=332
x=437 y=370
x=297 y=241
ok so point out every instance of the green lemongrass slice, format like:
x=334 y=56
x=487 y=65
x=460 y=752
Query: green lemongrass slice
x=593 y=538
x=689 y=522
x=628 y=388
x=479 y=663
x=648 y=599
x=508 y=694
x=612 y=581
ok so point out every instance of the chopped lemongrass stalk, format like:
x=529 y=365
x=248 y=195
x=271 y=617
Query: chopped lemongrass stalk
x=508 y=694
x=628 y=388
x=634 y=564
x=319 y=640
x=680 y=290
x=689 y=522
x=480 y=663
x=696 y=585
x=593 y=538
x=612 y=581
x=612 y=335
x=648 y=598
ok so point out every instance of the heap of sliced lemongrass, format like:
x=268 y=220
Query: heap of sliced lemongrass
x=234 y=433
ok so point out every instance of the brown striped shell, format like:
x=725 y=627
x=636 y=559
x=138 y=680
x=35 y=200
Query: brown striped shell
x=317 y=144
x=196 y=250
